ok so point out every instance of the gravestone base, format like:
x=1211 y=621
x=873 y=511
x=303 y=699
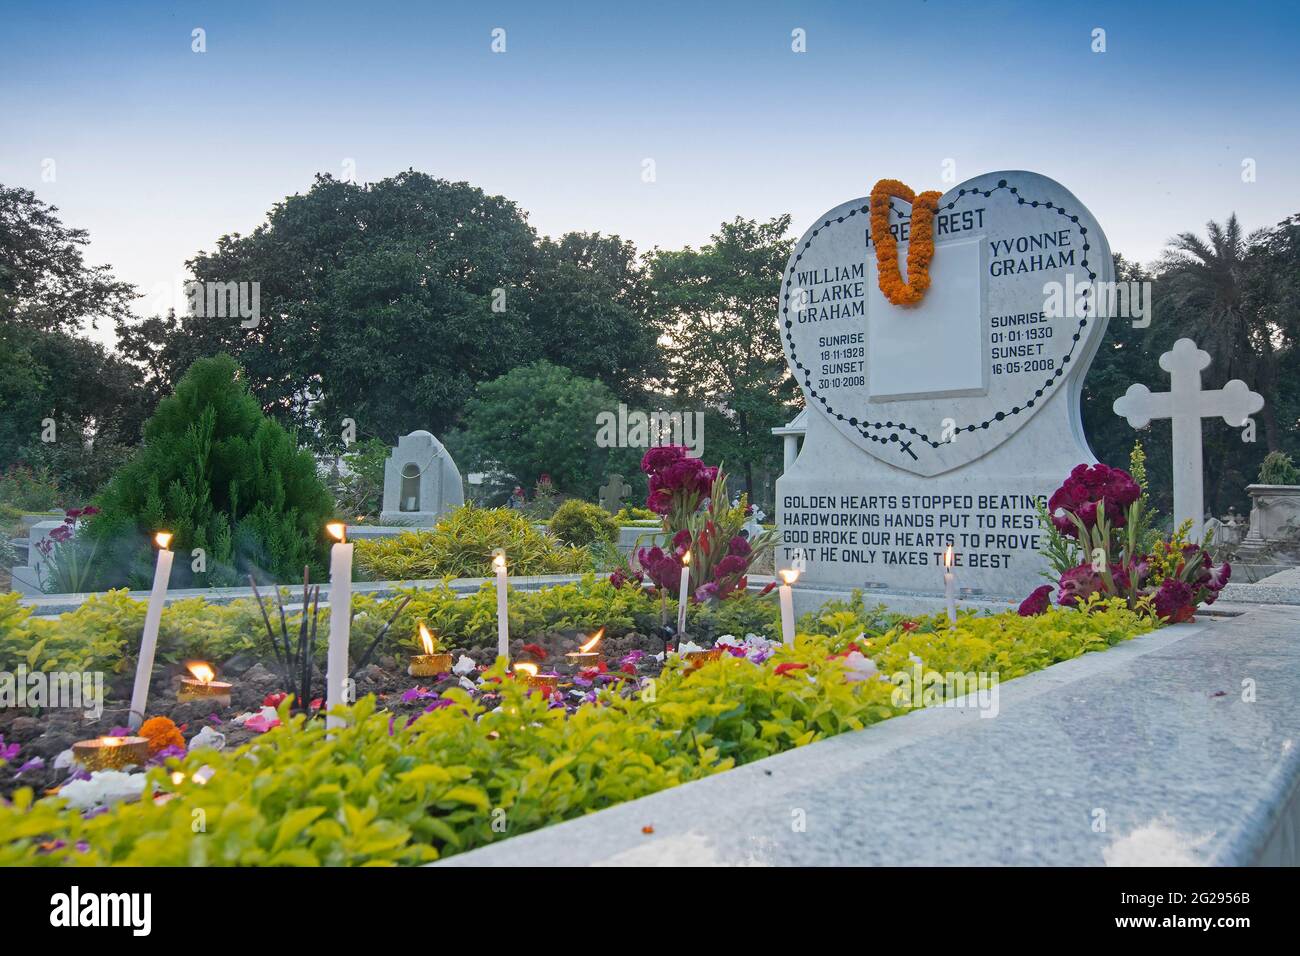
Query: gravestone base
x=410 y=519
x=862 y=523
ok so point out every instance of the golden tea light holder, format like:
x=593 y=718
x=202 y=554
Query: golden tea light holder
x=111 y=753
x=213 y=691
x=589 y=654
x=429 y=665
x=700 y=658
x=546 y=682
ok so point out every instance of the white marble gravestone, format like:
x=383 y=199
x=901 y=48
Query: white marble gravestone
x=421 y=482
x=946 y=422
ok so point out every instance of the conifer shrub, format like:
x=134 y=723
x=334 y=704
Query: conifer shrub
x=221 y=476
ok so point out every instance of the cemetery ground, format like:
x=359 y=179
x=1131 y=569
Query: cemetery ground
x=1102 y=711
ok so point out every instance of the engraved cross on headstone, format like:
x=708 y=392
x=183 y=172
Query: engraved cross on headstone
x=613 y=492
x=1186 y=404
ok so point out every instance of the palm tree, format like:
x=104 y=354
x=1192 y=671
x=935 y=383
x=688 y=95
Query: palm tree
x=1207 y=281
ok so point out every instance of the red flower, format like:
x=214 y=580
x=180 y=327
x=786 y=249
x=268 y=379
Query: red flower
x=1037 y=602
x=536 y=650
x=274 y=700
x=787 y=667
x=910 y=625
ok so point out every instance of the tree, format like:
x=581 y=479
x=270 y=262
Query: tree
x=541 y=419
x=376 y=304
x=1208 y=280
x=387 y=303
x=222 y=477
x=45 y=284
x=588 y=308
x=718 y=305
x=49 y=376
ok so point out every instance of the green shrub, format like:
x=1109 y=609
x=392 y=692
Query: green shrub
x=29 y=489
x=462 y=545
x=375 y=792
x=581 y=523
x=1278 y=469
x=221 y=476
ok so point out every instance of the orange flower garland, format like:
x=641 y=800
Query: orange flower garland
x=919 y=253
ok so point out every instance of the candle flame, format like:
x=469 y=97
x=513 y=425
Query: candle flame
x=203 y=672
x=947 y=557
x=110 y=741
x=686 y=559
x=338 y=531
x=526 y=668
x=163 y=539
x=595 y=639
x=499 y=560
x=426 y=639
x=790 y=575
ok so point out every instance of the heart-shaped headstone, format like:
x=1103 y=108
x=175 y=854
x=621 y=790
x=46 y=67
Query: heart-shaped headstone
x=1006 y=324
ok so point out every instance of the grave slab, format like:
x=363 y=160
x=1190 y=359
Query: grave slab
x=1153 y=732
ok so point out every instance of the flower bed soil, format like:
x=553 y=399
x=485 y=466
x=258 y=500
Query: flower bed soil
x=46 y=734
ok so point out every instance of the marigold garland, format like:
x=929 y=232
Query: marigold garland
x=919 y=252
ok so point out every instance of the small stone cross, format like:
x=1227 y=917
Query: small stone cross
x=613 y=492
x=1186 y=404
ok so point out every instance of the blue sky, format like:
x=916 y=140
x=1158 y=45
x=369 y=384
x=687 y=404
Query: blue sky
x=159 y=150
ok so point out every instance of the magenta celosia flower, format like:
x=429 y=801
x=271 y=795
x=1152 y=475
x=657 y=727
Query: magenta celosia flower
x=739 y=545
x=1174 y=601
x=1077 y=584
x=1084 y=489
x=623 y=577
x=1038 y=601
x=660 y=457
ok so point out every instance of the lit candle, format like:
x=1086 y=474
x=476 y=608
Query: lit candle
x=336 y=661
x=949 y=587
x=162 y=573
x=204 y=686
x=587 y=655
x=527 y=673
x=683 y=593
x=786 y=594
x=430 y=663
x=111 y=753
x=503 y=608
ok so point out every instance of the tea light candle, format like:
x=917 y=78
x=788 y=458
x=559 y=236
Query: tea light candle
x=202 y=686
x=162 y=573
x=336 y=661
x=430 y=663
x=786 y=595
x=683 y=594
x=111 y=753
x=503 y=608
x=587 y=655
x=950 y=587
x=527 y=673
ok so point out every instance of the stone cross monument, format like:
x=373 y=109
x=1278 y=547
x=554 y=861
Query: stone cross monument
x=1186 y=403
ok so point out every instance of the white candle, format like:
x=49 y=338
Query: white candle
x=162 y=573
x=336 y=660
x=503 y=607
x=786 y=594
x=683 y=595
x=949 y=587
